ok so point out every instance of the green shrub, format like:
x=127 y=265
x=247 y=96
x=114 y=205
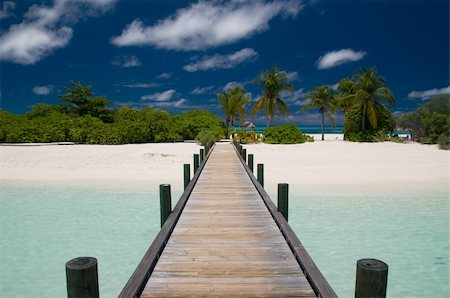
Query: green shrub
x=444 y=142
x=206 y=138
x=190 y=124
x=285 y=134
x=352 y=125
x=246 y=137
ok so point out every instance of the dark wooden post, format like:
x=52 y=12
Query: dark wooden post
x=202 y=155
x=187 y=174
x=244 y=154
x=196 y=163
x=283 y=199
x=371 y=278
x=165 y=200
x=260 y=175
x=82 y=277
x=250 y=162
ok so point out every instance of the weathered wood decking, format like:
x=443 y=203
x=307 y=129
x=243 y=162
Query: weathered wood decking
x=226 y=242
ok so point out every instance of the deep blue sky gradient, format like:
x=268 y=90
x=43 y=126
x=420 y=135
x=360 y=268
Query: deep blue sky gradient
x=407 y=41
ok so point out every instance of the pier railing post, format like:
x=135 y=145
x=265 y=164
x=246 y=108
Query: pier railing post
x=165 y=200
x=250 y=162
x=283 y=199
x=371 y=278
x=244 y=154
x=196 y=163
x=202 y=155
x=82 y=277
x=187 y=174
x=260 y=174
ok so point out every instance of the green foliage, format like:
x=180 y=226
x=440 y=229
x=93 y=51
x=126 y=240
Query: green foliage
x=206 y=138
x=444 y=142
x=430 y=123
x=233 y=103
x=81 y=102
x=354 y=132
x=275 y=82
x=189 y=125
x=246 y=137
x=285 y=134
x=54 y=127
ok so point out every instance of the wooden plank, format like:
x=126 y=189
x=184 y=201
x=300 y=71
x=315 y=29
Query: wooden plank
x=320 y=285
x=137 y=281
x=226 y=243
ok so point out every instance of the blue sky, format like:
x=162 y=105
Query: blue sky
x=176 y=55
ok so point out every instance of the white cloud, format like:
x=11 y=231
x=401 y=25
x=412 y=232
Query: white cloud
x=233 y=84
x=202 y=90
x=169 y=104
x=139 y=85
x=126 y=61
x=165 y=75
x=45 y=29
x=429 y=93
x=222 y=61
x=335 y=58
x=207 y=24
x=160 y=96
x=295 y=98
x=7 y=9
x=334 y=87
x=292 y=75
x=42 y=90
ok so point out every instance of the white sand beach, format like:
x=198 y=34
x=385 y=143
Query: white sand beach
x=328 y=163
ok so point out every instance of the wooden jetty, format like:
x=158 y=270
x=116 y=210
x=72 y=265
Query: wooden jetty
x=225 y=238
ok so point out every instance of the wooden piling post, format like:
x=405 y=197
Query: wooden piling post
x=187 y=174
x=202 y=155
x=244 y=154
x=260 y=174
x=82 y=277
x=165 y=200
x=196 y=163
x=283 y=199
x=250 y=162
x=371 y=278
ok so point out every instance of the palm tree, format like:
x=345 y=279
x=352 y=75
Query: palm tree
x=369 y=90
x=274 y=82
x=233 y=103
x=322 y=98
x=345 y=96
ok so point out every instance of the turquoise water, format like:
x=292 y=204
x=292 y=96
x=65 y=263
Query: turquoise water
x=407 y=230
x=44 y=227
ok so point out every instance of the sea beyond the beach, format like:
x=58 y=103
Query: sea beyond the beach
x=42 y=227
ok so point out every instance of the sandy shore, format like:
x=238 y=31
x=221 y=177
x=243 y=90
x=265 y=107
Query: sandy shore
x=329 y=163
x=143 y=164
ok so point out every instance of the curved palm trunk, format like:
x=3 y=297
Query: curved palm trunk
x=323 y=123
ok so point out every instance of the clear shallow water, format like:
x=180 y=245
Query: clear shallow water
x=41 y=228
x=409 y=231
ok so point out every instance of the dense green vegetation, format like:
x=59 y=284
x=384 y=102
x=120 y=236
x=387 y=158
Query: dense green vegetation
x=362 y=98
x=285 y=134
x=430 y=123
x=87 y=119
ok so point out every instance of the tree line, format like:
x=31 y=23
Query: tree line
x=86 y=118
x=363 y=99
